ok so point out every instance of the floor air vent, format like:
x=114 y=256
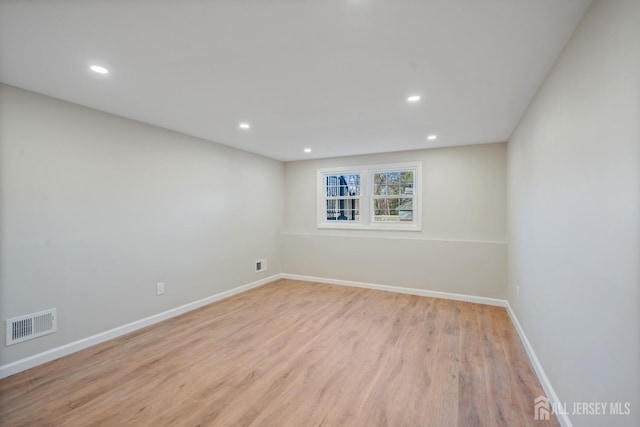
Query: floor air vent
x=31 y=326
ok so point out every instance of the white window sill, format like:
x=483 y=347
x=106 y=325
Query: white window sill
x=393 y=227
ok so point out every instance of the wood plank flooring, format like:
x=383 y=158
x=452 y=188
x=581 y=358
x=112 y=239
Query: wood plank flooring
x=293 y=353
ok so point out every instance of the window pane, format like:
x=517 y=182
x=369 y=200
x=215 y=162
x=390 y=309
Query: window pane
x=406 y=216
x=379 y=183
x=392 y=209
x=406 y=182
x=406 y=176
x=332 y=183
x=393 y=178
x=405 y=210
x=392 y=183
x=353 y=184
x=342 y=185
x=406 y=190
x=343 y=210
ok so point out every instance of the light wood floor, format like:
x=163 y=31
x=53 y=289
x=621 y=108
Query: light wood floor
x=293 y=354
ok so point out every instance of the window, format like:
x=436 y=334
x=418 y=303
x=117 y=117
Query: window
x=383 y=197
x=342 y=196
x=393 y=196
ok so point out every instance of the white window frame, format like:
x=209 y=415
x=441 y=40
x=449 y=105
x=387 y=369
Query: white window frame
x=367 y=195
x=322 y=198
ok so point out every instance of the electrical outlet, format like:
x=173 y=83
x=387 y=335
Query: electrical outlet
x=159 y=288
x=261 y=265
x=517 y=292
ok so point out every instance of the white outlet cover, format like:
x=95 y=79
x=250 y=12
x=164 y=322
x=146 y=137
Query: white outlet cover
x=160 y=289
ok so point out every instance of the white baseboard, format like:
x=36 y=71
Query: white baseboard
x=401 y=290
x=550 y=393
x=58 y=352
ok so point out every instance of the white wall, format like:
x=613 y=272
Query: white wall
x=461 y=248
x=96 y=209
x=574 y=188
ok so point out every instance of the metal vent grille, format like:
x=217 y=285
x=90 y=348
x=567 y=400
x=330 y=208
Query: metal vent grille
x=261 y=265
x=31 y=326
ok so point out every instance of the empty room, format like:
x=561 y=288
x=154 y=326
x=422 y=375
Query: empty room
x=320 y=213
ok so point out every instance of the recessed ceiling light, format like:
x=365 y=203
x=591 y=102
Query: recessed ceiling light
x=432 y=137
x=413 y=98
x=307 y=150
x=98 y=69
x=244 y=125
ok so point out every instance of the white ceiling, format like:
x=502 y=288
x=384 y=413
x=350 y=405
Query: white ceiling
x=332 y=75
